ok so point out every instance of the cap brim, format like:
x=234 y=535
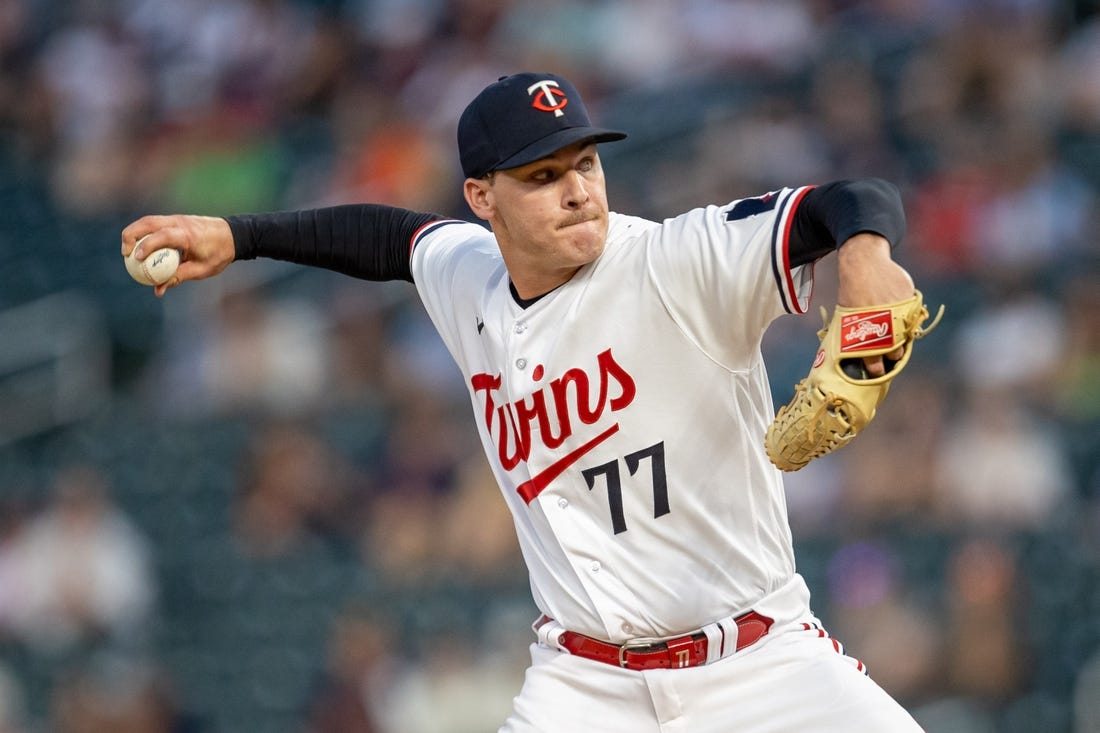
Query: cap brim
x=556 y=141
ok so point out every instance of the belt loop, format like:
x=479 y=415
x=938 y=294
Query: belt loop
x=729 y=635
x=549 y=632
x=715 y=641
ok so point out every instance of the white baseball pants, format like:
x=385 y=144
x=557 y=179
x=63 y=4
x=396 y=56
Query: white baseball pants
x=794 y=680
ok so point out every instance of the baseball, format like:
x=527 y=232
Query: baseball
x=156 y=268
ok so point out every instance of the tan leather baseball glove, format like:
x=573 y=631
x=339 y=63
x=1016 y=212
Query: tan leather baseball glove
x=837 y=400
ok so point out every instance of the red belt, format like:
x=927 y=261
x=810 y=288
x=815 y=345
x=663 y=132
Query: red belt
x=689 y=650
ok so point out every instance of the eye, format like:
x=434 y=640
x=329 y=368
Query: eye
x=542 y=175
x=586 y=165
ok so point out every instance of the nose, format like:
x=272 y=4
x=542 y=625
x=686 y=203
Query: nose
x=575 y=192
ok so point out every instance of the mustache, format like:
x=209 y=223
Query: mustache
x=579 y=217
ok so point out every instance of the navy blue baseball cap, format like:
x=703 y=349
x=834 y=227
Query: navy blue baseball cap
x=521 y=118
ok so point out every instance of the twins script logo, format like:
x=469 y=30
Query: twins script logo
x=558 y=409
x=548 y=98
x=861 y=331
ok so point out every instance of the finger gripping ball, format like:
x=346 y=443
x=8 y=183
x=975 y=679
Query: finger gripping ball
x=157 y=268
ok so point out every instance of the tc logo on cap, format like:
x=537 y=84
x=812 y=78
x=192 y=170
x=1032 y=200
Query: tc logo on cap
x=548 y=98
x=497 y=132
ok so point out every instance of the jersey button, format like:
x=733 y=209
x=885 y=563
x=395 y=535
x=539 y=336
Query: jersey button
x=595 y=566
x=521 y=363
x=519 y=327
x=563 y=502
x=627 y=628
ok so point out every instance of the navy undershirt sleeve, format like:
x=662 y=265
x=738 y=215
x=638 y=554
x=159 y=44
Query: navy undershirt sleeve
x=830 y=214
x=367 y=241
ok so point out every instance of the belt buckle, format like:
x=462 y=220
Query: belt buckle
x=627 y=646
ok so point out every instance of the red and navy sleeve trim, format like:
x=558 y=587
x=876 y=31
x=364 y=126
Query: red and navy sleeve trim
x=781 y=249
x=428 y=228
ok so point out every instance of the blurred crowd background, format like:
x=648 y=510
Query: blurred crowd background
x=259 y=504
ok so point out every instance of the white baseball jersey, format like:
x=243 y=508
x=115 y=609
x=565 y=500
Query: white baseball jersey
x=624 y=412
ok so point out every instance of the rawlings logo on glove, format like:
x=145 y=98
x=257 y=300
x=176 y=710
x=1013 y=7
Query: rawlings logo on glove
x=837 y=399
x=860 y=331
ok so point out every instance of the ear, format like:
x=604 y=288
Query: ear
x=478 y=197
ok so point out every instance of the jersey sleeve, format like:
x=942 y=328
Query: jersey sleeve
x=452 y=264
x=725 y=272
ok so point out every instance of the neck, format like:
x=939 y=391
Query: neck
x=529 y=290
x=531 y=278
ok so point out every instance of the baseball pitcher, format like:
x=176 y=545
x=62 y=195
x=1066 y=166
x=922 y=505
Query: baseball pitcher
x=615 y=374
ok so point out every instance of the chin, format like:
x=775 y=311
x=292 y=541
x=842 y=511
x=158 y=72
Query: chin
x=590 y=242
x=589 y=252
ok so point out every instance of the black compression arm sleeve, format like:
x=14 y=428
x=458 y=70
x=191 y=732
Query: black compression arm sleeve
x=830 y=214
x=367 y=241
